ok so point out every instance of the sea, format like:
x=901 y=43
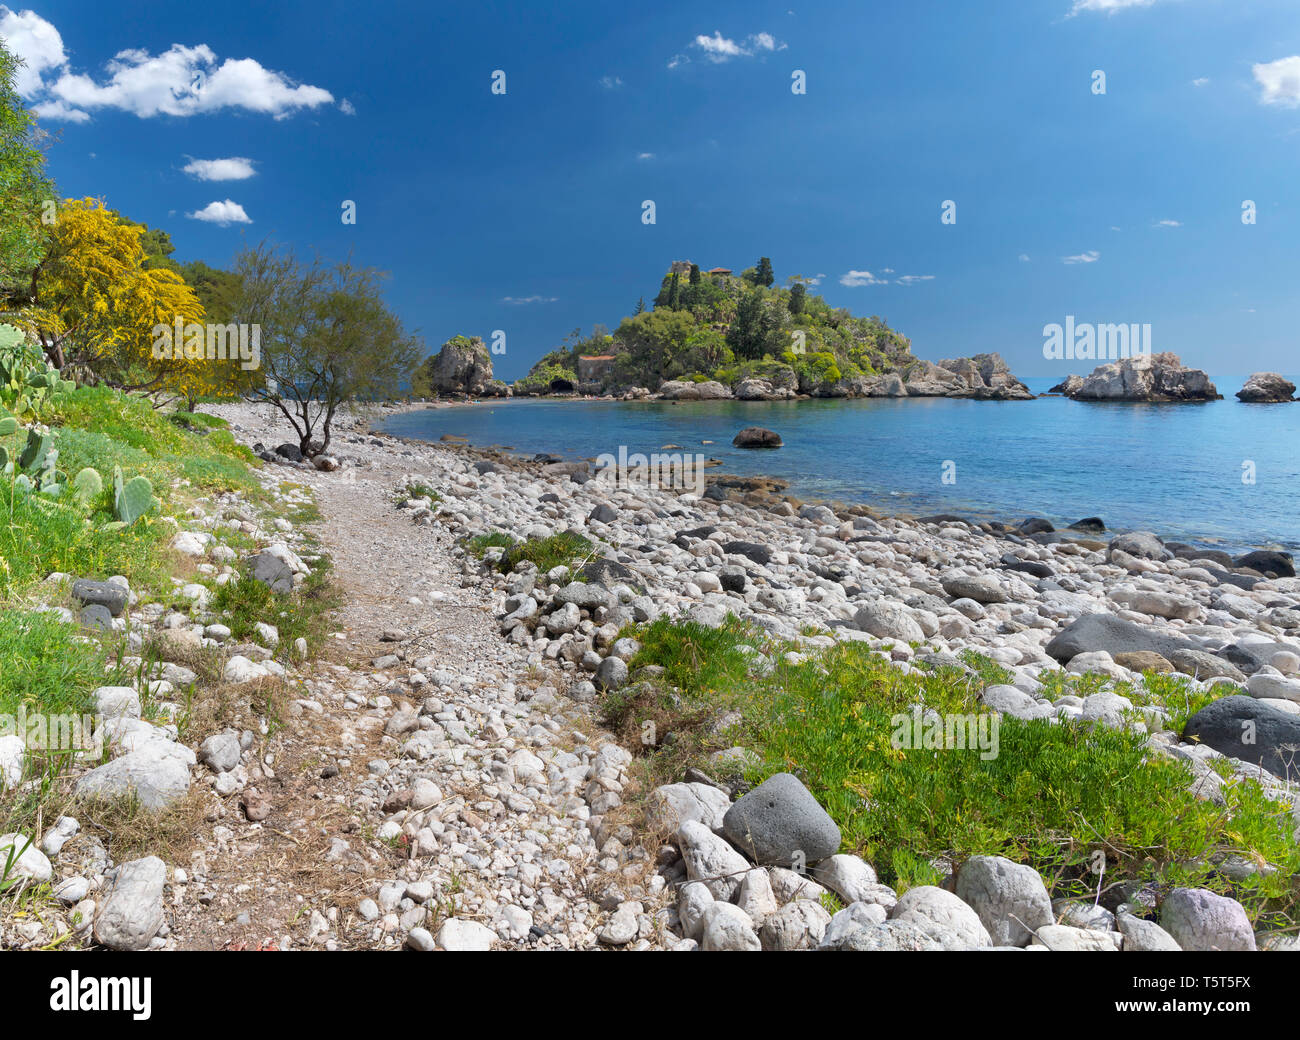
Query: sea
x=1220 y=473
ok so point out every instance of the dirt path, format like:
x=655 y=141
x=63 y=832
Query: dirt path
x=346 y=857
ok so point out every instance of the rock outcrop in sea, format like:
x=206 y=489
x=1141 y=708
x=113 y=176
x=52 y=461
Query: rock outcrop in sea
x=464 y=366
x=1266 y=388
x=1147 y=377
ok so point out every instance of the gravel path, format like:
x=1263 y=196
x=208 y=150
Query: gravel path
x=462 y=800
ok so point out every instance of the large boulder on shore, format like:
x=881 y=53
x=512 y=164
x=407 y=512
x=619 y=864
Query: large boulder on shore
x=679 y=390
x=779 y=823
x=1248 y=729
x=1266 y=388
x=1115 y=636
x=756 y=437
x=463 y=366
x=1144 y=377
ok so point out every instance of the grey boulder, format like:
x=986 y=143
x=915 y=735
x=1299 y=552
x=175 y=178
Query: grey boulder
x=779 y=823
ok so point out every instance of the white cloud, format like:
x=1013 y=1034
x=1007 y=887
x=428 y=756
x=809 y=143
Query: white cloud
x=1090 y=257
x=1108 y=6
x=645 y=155
x=529 y=299
x=854 y=279
x=1024 y=258
x=611 y=82
x=57 y=110
x=1280 y=81
x=1168 y=223
x=718 y=48
x=235 y=169
x=1200 y=81
x=37 y=42
x=181 y=81
x=222 y=213
x=347 y=107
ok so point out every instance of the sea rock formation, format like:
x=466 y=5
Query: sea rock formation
x=756 y=437
x=464 y=366
x=1146 y=377
x=984 y=376
x=1266 y=388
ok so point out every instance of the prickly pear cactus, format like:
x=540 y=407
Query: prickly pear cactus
x=87 y=486
x=37 y=452
x=133 y=499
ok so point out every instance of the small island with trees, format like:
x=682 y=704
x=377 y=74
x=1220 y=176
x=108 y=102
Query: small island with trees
x=713 y=335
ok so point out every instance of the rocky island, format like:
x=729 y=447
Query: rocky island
x=719 y=336
x=1144 y=377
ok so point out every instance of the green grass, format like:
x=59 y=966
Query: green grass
x=568 y=549
x=38 y=537
x=302 y=613
x=416 y=489
x=1052 y=796
x=102 y=428
x=46 y=669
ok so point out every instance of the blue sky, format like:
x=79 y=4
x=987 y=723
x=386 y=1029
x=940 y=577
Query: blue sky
x=522 y=211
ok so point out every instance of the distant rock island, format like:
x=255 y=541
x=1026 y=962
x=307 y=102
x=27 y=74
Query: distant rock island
x=1266 y=388
x=712 y=335
x=1145 y=377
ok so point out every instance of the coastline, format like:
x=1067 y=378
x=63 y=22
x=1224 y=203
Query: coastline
x=1052 y=621
x=894 y=505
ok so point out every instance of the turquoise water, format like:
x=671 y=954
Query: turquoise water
x=1173 y=468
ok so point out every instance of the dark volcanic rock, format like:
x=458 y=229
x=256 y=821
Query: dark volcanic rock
x=98 y=617
x=1038 y=570
x=1089 y=525
x=100 y=593
x=1035 y=525
x=756 y=437
x=1183 y=551
x=289 y=451
x=1265 y=561
x=1271 y=740
x=603 y=514
x=1114 y=635
x=760 y=554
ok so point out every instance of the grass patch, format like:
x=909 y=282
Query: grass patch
x=416 y=489
x=302 y=613
x=1053 y=795
x=565 y=549
x=46 y=669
